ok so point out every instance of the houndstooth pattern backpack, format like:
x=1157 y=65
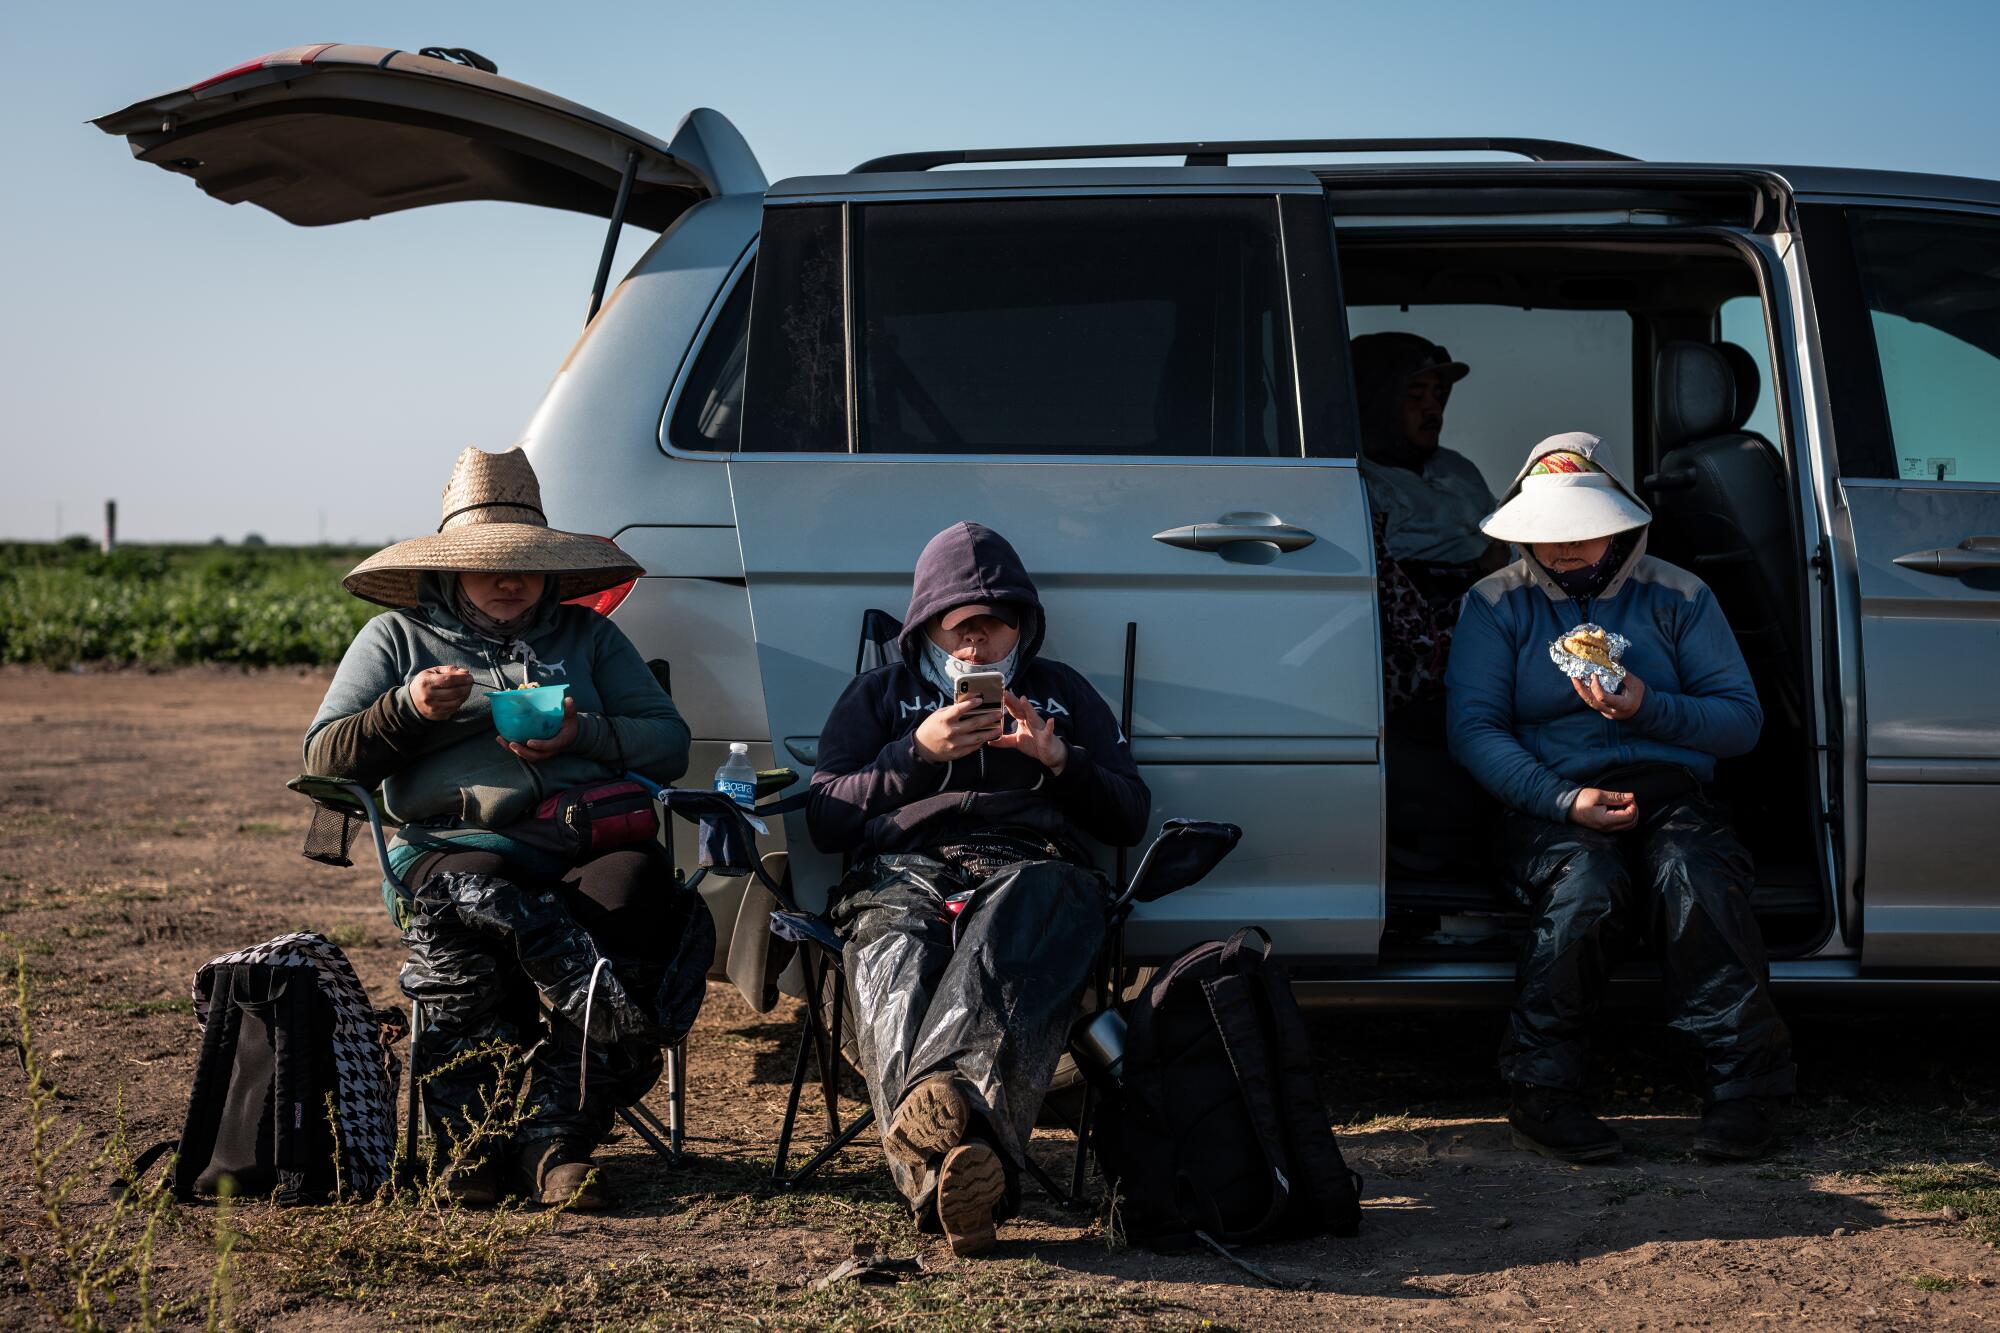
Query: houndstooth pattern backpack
x=293 y=1062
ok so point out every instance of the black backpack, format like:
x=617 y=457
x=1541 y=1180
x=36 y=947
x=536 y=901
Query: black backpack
x=293 y=1061
x=1214 y=1126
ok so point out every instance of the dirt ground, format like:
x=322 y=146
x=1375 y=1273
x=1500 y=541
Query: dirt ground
x=145 y=828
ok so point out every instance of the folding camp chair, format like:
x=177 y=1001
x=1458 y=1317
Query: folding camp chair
x=1182 y=854
x=340 y=808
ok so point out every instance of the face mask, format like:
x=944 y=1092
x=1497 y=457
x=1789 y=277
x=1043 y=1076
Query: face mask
x=1590 y=580
x=943 y=670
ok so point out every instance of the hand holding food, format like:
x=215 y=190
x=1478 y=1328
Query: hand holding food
x=1614 y=705
x=438 y=691
x=1591 y=651
x=534 y=752
x=1590 y=643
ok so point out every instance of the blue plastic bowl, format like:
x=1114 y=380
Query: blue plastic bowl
x=529 y=715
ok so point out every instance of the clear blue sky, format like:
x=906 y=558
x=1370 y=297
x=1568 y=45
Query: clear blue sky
x=219 y=371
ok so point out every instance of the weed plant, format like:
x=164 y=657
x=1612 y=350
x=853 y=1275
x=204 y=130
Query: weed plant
x=86 y=1267
x=413 y=1230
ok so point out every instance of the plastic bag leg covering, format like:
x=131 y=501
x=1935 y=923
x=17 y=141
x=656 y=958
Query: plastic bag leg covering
x=1003 y=1008
x=566 y=1104
x=1585 y=910
x=1718 y=987
x=898 y=943
x=552 y=950
x=468 y=1004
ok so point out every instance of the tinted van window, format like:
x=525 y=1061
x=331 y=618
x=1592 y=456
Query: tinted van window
x=709 y=413
x=796 y=381
x=1070 y=326
x=1931 y=282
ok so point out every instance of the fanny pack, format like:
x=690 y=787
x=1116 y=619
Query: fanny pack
x=1652 y=785
x=585 y=822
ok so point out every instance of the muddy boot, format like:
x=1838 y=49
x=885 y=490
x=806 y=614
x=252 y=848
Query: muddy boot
x=474 y=1184
x=971 y=1184
x=554 y=1171
x=930 y=1123
x=1736 y=1130
x=1555 y=1123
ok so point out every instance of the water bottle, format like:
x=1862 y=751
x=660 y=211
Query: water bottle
x=736 y=779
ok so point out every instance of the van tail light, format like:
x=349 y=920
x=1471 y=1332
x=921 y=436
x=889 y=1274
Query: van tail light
x=604 y=603
x=292 y=56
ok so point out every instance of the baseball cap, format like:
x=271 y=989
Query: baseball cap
x=1003 y=612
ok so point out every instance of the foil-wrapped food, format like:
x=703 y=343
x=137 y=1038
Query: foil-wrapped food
x=1591 y=650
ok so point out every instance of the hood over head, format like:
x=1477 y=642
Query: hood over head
x=1383 y=365
x=969 y=563
x=437 y=606
x=1567 y=491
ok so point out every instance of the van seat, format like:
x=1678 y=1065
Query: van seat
x=1721 y=509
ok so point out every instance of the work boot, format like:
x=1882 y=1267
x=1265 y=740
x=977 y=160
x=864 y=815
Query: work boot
x=930 y=1123
x=474 y=1184
x=1555 y=1123
x=555 y=1171
x=971 y=1184
x=1736 y=1129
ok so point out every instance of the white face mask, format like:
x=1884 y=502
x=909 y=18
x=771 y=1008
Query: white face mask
x=943 y=670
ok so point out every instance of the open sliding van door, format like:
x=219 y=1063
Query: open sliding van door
x=1908 y=302
x=1141 y=382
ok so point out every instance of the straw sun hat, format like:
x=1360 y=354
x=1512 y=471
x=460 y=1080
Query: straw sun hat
x=493 y=523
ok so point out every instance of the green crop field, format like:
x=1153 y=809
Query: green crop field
x=64 y=603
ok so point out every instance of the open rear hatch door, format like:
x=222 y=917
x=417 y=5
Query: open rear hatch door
x=331 y=133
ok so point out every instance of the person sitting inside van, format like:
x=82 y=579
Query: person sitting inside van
x=971 y=915
x=1431 y=498
x=1609 y=832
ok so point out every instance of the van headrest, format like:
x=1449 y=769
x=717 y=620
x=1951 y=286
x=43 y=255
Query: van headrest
x=1694 y=394
x=1749 y=382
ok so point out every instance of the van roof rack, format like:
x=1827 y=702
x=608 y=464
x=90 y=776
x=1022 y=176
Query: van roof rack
x=1218 y=153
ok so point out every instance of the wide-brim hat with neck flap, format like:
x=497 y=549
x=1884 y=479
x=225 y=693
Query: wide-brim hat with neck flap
x=1566 y=492
x=493 y=523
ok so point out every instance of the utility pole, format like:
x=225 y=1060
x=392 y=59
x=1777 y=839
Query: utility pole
x=110 y=526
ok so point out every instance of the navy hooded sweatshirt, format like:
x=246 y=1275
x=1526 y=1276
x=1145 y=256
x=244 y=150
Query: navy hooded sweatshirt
x=872 y=792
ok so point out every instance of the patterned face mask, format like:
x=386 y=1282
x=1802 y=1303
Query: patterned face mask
x=1591 y=579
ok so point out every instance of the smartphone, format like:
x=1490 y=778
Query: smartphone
x=985 y=686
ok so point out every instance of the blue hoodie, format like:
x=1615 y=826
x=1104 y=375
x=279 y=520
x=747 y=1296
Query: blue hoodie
x=872 y=792
x=1515 y=721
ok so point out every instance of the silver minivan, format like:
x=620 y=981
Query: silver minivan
x=1139 y=374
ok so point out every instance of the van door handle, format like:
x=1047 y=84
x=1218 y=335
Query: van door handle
x=1231 y=529
x=1970 y=556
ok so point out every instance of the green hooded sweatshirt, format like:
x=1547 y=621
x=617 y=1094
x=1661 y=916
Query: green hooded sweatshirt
x=454 y=773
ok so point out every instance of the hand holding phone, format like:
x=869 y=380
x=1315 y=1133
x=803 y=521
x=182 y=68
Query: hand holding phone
x=984 y=686
x=969 y=722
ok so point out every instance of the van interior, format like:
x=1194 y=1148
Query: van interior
x=1662 y=349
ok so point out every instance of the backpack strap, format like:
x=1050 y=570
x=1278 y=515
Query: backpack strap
x=1238 y=1017
x=291 y=1080
x=209 y=1097
x=125 y=1184
x=1329 y=1192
